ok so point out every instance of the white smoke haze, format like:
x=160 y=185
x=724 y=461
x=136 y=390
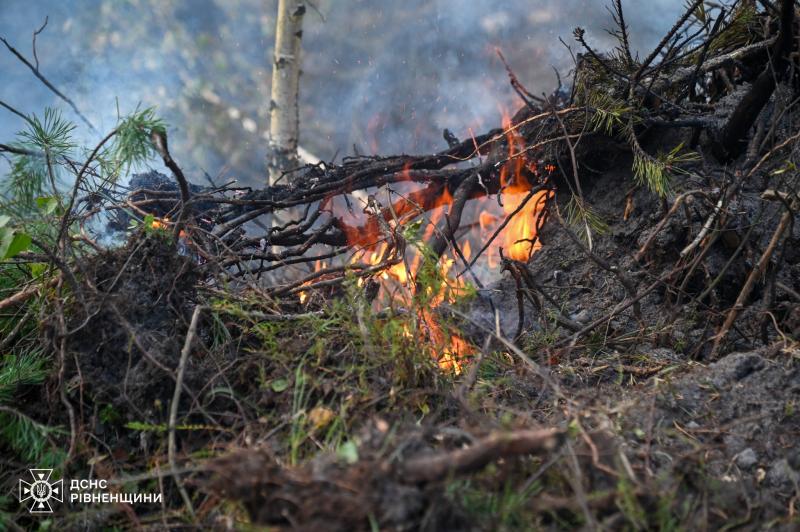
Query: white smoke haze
x=379 y=76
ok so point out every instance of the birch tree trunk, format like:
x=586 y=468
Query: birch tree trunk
x=284 y=111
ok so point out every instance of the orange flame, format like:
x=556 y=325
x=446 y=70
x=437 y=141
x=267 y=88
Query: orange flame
x=518 y=239
x=162 y=223
x=159 y=224
x=318 y=266
x=520 y=233
x=454 y=349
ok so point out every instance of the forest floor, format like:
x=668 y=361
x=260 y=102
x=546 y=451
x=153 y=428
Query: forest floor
x=641 y=371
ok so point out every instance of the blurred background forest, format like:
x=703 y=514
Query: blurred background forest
x=378 y=76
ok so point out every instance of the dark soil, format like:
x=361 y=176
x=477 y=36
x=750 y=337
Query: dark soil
x=305 y=415
x=670 y=438
x=126 y=349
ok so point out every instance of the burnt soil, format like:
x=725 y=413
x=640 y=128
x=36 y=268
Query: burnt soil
x=332 y=412
x=302 y=416
x=664 y=438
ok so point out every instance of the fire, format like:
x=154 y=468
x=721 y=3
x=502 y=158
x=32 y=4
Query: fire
x=159 y=224
x=163 y=224
x=455 y=350
x=398 y=281
x=520 y=233
x=398 y=284
x=303 y=295
x=487 y=220
x=466 y=250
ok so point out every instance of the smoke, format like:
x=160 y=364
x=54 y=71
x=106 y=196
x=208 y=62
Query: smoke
x=379 y=77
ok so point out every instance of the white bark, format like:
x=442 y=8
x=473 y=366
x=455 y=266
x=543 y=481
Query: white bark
x=284 y=111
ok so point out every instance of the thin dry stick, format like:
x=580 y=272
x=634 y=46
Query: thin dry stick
x=574 y=161
x=757 y=272
x=78 y=178
x=25 y=294
x=16 y=112
x=159 y=140
x=706 y=227
x=654 y=54
x=576 y=483
x=476 y=456
x=173 y=407
x=678 y=201
x=622 y=33
x=62 y=388
x=12 y=334
x=616 y=310
x=36 y=34
x=542 y=372
x=47 y=83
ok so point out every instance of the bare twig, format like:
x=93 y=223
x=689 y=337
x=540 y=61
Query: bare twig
x=47 y=83
x=506 y=221
x=15 y=111
x=173 y=408
x=676 y=204
x=159 y=140
x=755 y=274
x=36 y=34
x=476 y=456
x=23 y=295
x=706 y=227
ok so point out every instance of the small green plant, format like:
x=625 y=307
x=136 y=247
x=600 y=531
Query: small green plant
x=299 y=430
x=680 y=344
x=48 y=141
x=51 y=134
x=736 y=33
x=12 y=241
x=537 y=340
x=613 y=116
x=110 y=415
x=24 y=436
x=508 y=508
x=789 y=408
x=133 y=146
x=657 y=172
x=581 y=216
x=665 y=518
x=163 y=427
x=629 y=504
x=609 y=114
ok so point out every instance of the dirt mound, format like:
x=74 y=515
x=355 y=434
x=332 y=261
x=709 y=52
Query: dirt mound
x=126 y=349
x=724 y=433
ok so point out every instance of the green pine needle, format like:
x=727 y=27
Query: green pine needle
x=133 y=146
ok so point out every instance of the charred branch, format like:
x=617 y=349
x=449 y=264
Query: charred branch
x=733 y=138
